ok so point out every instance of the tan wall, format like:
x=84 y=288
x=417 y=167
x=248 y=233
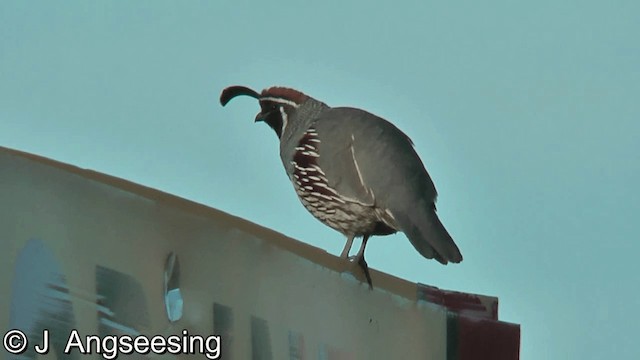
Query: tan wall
x=85 y=251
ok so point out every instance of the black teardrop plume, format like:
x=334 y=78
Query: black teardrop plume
x=233 y=91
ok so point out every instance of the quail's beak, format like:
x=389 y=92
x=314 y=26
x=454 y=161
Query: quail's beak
x=260 y=117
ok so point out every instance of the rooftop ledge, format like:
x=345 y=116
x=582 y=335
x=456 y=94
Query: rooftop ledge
x=101 y=255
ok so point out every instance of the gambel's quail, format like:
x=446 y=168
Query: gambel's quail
x=354 y=171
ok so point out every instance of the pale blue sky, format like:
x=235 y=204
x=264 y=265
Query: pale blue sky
x=526 y=115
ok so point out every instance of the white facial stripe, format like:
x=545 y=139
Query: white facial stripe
x=285 y=119
x=280 y=101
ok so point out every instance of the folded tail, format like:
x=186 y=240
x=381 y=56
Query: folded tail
x=427 y=234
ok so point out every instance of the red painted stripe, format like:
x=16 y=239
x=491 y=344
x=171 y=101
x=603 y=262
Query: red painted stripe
x=479 y=306
x=479 y=339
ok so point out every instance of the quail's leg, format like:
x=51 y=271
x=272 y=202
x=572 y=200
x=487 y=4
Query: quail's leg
x=347 y=247
x=362 y=262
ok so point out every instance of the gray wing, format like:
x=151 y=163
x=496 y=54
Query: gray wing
x=368 y=159
x=365 y=156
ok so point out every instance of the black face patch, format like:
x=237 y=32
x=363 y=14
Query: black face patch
x=272 y=115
